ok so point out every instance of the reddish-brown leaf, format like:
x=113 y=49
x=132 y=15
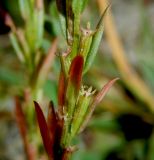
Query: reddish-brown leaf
x=49 y=58
x=103 y=92
x=61 y=92
x=22 y=125
x=44 y=64
x=44 y=131
x=20 y=118
x=52 y=122
x=76 y=69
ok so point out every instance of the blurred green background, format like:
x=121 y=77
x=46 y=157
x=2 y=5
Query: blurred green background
x=122 y=126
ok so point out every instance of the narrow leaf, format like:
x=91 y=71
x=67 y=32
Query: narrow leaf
x=85 y=41
x=100 y=23
x=63 y=25
x=97 y=99
x=44 y=130
x=22 y=125
x=76 y=71
x=16 y=47
x=95 y=42
x=48 y=59
x=103 y=92
x=43 y=68
x=74 y=83
x=39 y=26
x=77 y=6
x=93 y=49
x=79 y=114
x=61 y=92
x=20 y=118
x=24 y=7
x=84 y=3
x=52 y=122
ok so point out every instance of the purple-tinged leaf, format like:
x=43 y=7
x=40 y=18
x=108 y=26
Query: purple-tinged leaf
x=61 y=93
x=22 y=125
x=103 y=92
x=44 y=131
x=97 y=99
x=75 y=72
x=20 y=118
x=52 y=122
x=73 y=87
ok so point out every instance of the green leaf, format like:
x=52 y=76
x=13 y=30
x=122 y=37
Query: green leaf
x=79 y=114
x=85 y=44
x=61 y=6
x=93 y=49
x=39 y=27
x=30 y=33
x=84 y=3
x=16 y=47
x=78 y=6
x=55 y=27
x=63 y=25
x=25 y=8
x=95 y=42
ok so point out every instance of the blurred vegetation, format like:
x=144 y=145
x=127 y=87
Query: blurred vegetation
x=122 y=125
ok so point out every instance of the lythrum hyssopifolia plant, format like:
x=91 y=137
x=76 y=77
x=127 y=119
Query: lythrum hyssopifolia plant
x=76 y=102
